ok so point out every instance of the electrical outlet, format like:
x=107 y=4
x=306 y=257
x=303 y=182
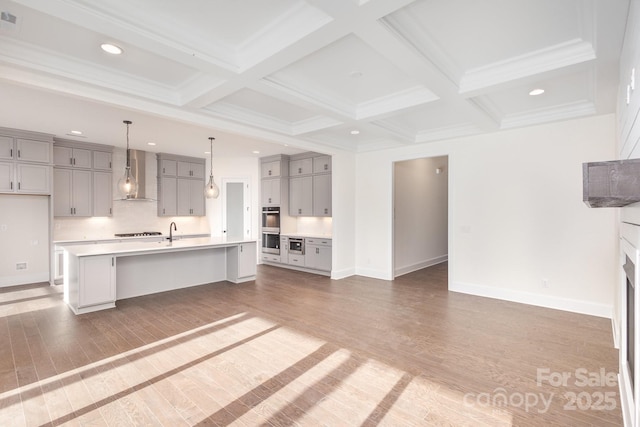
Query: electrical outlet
x=545 y=283
x=3 y=227
x=21 y=266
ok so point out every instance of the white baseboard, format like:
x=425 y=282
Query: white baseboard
x=374 y=274
x=420 y=265
x=574 y=306
x=344 y=273
x=23 y=279
x=616 y=333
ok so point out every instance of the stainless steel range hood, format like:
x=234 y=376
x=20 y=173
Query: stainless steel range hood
x=611 y=184
x=137 y=161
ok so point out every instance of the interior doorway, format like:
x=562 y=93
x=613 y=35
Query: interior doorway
x=236 y=208
x=420 y=213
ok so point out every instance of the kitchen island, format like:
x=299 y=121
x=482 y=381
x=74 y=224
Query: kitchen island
x=97 y=275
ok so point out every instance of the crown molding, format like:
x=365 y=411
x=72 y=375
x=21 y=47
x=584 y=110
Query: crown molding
x=561 y=55
x=446 y=132
x=406 y=98
x=313 y=124
x=37 y=59
x=561 y=112
x=316 y=98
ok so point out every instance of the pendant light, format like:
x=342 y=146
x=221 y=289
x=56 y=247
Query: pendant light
x=127 y=185
x=211 y=191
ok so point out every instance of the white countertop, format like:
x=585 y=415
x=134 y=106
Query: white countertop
x=307 y=235
x=123 y=239
x=134 y=247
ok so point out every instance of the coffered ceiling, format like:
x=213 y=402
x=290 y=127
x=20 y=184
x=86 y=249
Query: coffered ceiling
x=310 y=73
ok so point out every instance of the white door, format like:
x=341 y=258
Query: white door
x=236 y=208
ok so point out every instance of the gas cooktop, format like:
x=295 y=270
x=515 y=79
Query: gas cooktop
x=140 y=233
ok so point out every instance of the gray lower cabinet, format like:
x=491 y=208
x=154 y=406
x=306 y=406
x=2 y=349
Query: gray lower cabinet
x=318 y=254
x=73 y=192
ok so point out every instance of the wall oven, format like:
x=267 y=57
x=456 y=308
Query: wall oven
x=271 y=219
x=270 y=242
x=296 y=246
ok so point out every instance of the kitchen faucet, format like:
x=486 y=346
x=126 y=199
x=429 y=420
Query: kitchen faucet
x=173 y=224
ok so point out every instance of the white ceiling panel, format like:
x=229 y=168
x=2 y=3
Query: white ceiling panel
x=306 y=72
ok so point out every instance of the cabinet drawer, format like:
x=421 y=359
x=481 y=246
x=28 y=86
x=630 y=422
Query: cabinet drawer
x=296 y=260
x=271 y=258
x=318 y=242
x=300 y=167
x=322 y=164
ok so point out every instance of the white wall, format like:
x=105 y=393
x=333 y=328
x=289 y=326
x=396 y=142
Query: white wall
x=24 y=238
x=420 y=213
x=516 y=215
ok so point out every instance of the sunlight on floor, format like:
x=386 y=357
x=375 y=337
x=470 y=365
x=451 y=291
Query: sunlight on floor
x=241 y=369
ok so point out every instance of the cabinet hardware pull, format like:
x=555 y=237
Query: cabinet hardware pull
x=112 y=261
x=326 y=166
x=18 y=153
x=11 y=152
x=71 y=211
x=11 y=185
x=299 y=170
x=19 y=185
x=299 y=211
x=110 y=211
x=71 y=161
x=109 y=165
x=241 y=248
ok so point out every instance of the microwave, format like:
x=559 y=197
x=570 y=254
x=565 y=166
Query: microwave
x=296 y=246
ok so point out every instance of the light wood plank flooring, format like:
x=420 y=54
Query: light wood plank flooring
x=298 y=349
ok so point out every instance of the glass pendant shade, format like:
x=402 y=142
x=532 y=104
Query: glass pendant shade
x=211 y=191
x=127 y=184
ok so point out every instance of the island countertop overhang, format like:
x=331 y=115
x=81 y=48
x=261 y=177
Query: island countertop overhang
x=131 y=248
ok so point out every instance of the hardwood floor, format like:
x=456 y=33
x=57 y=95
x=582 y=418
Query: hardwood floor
x=298 y=349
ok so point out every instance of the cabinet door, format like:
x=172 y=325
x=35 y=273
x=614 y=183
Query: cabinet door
x=102 y=194
x=62 y=156
x=102 y=160
x=97 y=280
x=82 y=192
x=169 y=167
x=6 y=147
x=62 y=191
x=82 y=158
x=322 y=195
x=270 y=192
x=33 y=151
x=6 y=177
x=33 y=179
x=300 y=196
x=197 y=171
x=318 y=257
x=270 y=169
x=197 y=197
x=247 y=260
x=167 y=205
x=322 y=164
x=184 y=197
x=300 y=167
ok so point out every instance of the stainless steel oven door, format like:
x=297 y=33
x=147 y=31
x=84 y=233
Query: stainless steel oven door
x=271 y=243
x=270 y=218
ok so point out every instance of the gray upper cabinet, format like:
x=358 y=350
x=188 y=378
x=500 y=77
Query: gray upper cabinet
x=271 y=169
x=181 y=182
x=271 y=192
x=300 y=167
x=322 y=195
x=301 y=196
x=25 y=162
x=102 y=160
x=65 y=156
x=82 y=179
x=322 y=164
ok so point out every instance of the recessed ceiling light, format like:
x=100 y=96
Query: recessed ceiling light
x=76 y=132
x=111 y=48
x=536 y=92
x=355 y=74
x=207 y=152
x=151 y=143
x=255 y=152
x=355 y=132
